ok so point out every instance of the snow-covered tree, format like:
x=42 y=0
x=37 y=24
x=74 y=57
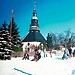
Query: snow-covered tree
x=4 y=39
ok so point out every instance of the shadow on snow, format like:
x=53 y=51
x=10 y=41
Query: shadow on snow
x=22 y=71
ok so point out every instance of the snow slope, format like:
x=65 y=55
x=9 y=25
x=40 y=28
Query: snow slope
x=45 y=66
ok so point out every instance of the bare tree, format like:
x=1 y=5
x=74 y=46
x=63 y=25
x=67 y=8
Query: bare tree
x=72 y=39
x=61 y=38
x=54 y=38
x=67 y=36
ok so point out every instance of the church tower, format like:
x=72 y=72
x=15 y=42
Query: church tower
x=34 y=21
x=34 y=34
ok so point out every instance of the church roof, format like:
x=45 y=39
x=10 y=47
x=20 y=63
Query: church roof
x=33 y=36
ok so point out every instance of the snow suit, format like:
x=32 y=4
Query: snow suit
x=37 y=56
x=64 y=55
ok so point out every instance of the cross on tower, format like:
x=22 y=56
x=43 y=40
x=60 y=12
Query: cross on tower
x=34 y=4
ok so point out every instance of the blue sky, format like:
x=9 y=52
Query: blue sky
x=54 y=15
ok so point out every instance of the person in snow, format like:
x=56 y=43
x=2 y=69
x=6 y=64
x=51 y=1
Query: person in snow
x=65 y=56
x=70 y=52
x=37 y=56
x=45 y=52
x=28 y=46
x=74 y=53
x=50 y=51
x=26 y=55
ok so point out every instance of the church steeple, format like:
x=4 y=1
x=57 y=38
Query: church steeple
x=34 y=21
x=34 y=34
x=34 y=11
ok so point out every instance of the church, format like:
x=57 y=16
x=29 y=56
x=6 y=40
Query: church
x=34 y=37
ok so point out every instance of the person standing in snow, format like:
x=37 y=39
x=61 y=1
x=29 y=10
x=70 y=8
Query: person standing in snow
x=26 y=55
x=28 y=46
x=70 y=52
x=74 y=53
x=45 y=52
x=50 y=51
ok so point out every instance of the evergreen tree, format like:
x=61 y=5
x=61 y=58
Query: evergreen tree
x=4 y=39
x=15 y=38
x=5 y=26
x=49 y=41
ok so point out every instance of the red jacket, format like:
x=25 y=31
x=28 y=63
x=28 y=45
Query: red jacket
x=50 y=50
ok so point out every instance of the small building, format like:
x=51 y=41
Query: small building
x=34 y=37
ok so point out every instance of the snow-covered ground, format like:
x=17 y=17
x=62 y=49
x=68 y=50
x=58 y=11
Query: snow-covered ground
x=45 y=66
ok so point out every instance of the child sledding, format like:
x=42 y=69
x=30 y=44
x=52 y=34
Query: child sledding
x=37 y=56
x=65 y=55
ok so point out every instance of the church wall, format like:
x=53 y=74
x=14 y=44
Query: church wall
x=31 y=44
